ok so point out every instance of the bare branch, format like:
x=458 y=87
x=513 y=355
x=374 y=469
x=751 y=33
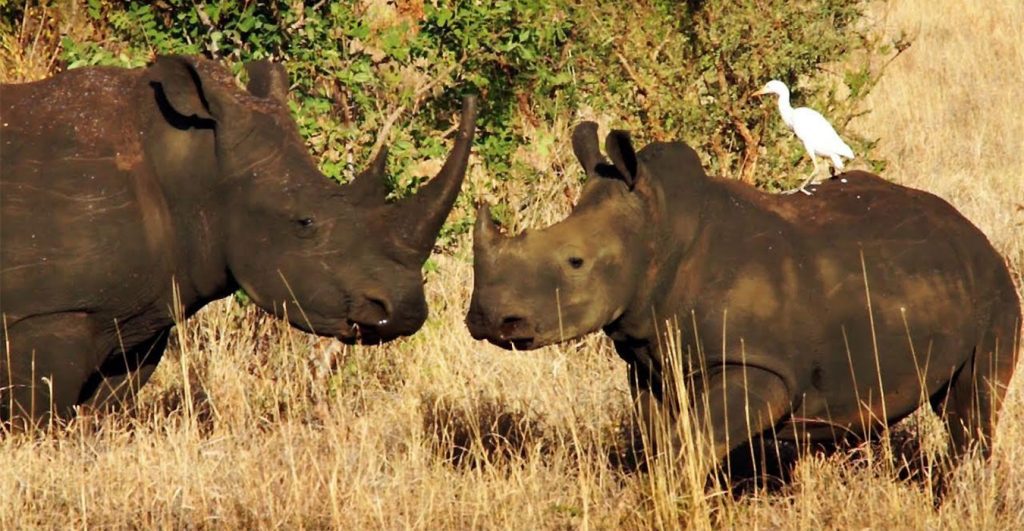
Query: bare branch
x=418 y=95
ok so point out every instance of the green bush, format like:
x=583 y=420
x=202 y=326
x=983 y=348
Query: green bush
x=664 y=69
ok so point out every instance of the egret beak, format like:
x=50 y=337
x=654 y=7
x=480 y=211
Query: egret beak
x=761 y=92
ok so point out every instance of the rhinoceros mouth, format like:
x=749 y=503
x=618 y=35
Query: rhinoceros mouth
x=355 y=332
x=506 y=341
x=521 y=343
x=515 y=343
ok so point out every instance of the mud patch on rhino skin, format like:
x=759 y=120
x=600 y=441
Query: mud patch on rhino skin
x=832 y=276
x=753 y=292
x=931 y=297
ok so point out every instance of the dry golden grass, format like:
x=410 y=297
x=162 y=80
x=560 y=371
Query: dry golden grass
x=249 y=423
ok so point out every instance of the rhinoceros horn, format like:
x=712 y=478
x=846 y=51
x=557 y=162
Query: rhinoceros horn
x=369 y=185
x=422 y=214
x=485 y=231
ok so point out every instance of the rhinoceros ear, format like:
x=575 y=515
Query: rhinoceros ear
x=267 y=80
x=180 y=84
x=584 y=145
x=620 y=150
x=193 y=90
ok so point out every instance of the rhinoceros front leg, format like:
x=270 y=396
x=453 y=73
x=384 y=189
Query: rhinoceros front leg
x=116 y=382
x=43 y=365
x=729 y=406
x=739 y=404
x=654 y=419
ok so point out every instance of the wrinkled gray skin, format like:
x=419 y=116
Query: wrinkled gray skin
x=124 y=192
x=770 y=294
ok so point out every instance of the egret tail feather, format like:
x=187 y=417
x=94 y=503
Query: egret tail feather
x=837 y=161
x=846 y=151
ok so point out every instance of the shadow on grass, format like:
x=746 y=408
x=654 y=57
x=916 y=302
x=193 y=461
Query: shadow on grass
x=766 y=465
x=484 y=432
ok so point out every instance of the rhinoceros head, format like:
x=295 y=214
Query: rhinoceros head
x=342 y=260
x=575 y=276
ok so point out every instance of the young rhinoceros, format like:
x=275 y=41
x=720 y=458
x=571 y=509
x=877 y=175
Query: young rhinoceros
x=126 y=192
x=820 y=318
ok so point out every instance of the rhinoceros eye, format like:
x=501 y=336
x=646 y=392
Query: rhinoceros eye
x=575 y=262
x=305 y=227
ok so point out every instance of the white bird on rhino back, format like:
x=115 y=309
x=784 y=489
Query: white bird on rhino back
x=817 y=135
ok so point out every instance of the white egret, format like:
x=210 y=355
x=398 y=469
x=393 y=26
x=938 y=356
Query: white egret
x=818 y=136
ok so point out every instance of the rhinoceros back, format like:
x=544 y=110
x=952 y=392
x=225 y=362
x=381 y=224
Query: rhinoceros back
x=80 y=212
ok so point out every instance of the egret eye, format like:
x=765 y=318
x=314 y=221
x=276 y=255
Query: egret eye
x=576 y=262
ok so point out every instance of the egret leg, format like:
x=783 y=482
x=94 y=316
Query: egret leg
x=802 y=188
x=813 y=179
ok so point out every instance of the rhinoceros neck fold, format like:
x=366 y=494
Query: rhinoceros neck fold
x=186 y=188
x=676 y=193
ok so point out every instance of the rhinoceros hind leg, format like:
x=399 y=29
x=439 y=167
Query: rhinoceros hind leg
x=975 y=394
x=116 y=383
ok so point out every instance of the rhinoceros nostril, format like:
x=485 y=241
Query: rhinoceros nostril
x=512 y=326
x=377 y=310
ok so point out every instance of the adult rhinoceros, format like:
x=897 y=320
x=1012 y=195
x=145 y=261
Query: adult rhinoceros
x=820 y=318
x=126 y=192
